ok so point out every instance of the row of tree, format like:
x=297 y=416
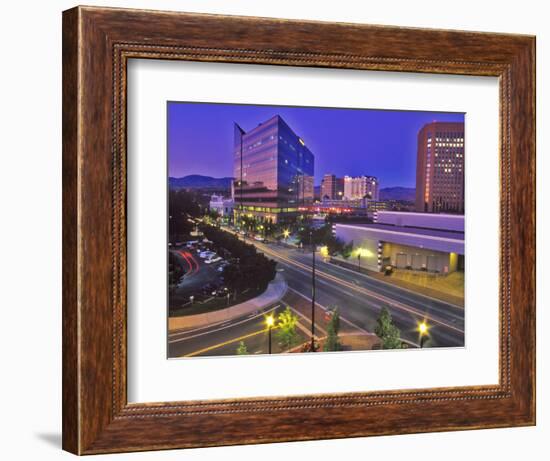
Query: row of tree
x=175 y=269
x=182 y=206
x=287 y=336
x=248 y=268
x=308 y=235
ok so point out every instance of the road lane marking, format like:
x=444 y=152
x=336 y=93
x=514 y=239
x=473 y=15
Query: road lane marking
x=390 y=285
x=308 y=332
x=349 y=322
x=366 y=292
x=248 y=319
x=184 y=331
x=225 y=343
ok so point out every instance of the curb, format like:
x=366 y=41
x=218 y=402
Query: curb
x=273 y=293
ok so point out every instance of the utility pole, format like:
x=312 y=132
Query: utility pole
x=312 y=291
x=241 y=182
x=241 y=206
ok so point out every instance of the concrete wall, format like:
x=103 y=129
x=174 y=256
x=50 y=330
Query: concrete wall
x=369 y=247
x=434 y=261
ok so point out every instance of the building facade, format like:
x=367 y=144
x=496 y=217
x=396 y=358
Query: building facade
x=410 y=241
x=440 y=168
x=273 y=170
x=332 y=188
x=357 y=188
x=223 y=206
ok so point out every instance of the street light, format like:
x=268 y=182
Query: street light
x=312 y=291
x=324 y=251
x=362 y=252
x=423 y=331
x=286 y=233
x=269 y=321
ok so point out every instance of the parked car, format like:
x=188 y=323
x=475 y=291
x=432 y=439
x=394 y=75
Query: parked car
x=222 y=266
x=214 y=259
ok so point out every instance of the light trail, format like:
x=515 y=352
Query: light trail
x=359 y=289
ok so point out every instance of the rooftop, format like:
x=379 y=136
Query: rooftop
x=417 y=231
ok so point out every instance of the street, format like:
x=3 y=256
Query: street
x=358 y=297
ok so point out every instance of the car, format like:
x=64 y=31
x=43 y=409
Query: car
x=214 y=259
x=259 y=238
x=207 y=254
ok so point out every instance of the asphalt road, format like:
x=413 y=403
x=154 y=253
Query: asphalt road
x=358 y=297
x=224 y=338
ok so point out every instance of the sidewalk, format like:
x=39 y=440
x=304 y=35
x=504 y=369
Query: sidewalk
x=274 y=292
x=348 y=341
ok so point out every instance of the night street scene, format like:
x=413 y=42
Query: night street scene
x=305 y=229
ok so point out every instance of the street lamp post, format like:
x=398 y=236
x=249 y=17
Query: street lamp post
x=286 y=233
x=359 y=260
x=269 y=320
x=423 y=331
x=312 y=292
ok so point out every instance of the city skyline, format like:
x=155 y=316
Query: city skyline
x=260 y=261
x=353 y=142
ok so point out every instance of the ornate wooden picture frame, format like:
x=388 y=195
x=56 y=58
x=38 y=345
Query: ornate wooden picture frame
x=97 y=44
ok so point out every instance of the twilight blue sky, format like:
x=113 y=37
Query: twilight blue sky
x=344 y=141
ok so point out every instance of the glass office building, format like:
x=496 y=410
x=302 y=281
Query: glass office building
x=273 y=170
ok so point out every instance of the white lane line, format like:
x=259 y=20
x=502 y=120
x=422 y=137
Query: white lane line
x=221 y=328
x=308 y=332
x=391 y=285
x=180 y=332
x=349 y=322
x=372 y=294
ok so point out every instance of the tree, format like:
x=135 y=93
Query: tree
x=387 y=331
x=242 y=350
x=332 y=343
x=253 y=269
x=307 y=235
x=334 y=244
x=286 y=329
x=175 y=269
x=214 y=215
x=347 y=250
x=182 y=206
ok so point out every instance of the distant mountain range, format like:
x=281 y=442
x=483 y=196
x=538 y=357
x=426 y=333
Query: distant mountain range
x=398 y=193
x=196 y=181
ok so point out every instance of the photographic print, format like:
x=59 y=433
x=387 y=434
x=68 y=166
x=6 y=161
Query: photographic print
x=313 y=229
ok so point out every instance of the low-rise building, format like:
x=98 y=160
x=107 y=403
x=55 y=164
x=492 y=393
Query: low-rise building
x=223 y=206
x=412 y=241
